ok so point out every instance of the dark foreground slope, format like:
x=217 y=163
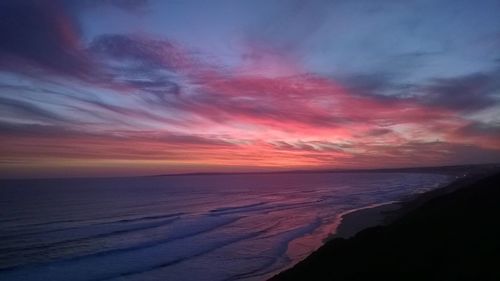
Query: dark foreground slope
x=455 y=236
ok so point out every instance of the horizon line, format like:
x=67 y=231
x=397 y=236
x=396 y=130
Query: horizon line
x=441 y=169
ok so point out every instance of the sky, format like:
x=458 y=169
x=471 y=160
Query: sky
x=136 y=87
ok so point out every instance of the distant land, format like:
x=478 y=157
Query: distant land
x=448 y=169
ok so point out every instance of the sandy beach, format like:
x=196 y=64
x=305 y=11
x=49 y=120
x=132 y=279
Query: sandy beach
x=354 y=221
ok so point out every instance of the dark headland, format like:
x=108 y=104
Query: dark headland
x=452 y=233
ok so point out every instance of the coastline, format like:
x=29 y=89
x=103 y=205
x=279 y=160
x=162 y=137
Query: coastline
x=353 y=222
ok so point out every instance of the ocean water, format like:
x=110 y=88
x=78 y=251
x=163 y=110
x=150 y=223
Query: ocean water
x=205 y=227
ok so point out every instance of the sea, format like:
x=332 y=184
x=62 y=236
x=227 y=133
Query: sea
x=186 y=227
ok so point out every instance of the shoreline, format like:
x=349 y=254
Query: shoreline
x=348 y=224
x=356 y=220
x=352 y=222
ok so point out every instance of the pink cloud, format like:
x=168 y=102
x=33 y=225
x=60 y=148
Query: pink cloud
x=208 y=118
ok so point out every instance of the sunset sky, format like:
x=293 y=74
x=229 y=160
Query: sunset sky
x=103 y=88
